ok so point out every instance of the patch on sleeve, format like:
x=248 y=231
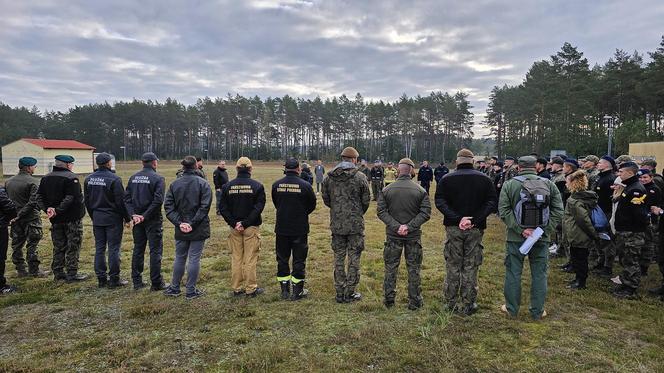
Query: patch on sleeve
x=638 y=200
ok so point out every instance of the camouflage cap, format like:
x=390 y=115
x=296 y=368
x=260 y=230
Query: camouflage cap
x=650 y=163
x=407 y=161
x=592 y=158
x=350 y=152
x=243 y=162
x=624 y=158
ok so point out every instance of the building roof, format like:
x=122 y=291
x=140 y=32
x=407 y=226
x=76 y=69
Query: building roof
x=58 y=144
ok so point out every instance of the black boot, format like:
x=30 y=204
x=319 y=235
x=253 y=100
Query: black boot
x=285 y=289
x=657 y=291
x=299 y=291
x=607 y=272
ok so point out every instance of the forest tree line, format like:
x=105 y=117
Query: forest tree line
x=429 y=127
x=562 y=103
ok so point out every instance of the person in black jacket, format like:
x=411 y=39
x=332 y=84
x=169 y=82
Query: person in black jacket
x=220 y=178
x=631 y=222
x=187 y=206
x=242 y=202
x=540 y=168
x=425 y=175
x=294 y=199
x=440 y=171
x=306 y=174
x=601 y=259
x=465 y=197
x=377 y=176
x=104 y=200
x=7 y=214
x=144 y=197
x=61 y=198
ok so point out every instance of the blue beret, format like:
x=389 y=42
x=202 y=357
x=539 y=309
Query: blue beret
x=610 y=159
x=64 y=158
x=572 y=161
x=27 y=161
x=629 y=165
x=643 y=171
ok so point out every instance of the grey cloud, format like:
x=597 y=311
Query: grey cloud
x=55 y=55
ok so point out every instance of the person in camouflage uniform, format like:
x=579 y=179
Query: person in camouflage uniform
x=363 y=168
x=466 y=197
x=199 y=171
x=346 y=192
x=631 y=222
x=590 y=166
x=510 y=171
x=404 y=207
x=26 y=227
x=654 y=198
x=61 y=198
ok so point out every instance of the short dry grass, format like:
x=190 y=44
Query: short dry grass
x=51 y=326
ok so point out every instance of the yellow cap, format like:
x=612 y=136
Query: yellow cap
x=243 y=162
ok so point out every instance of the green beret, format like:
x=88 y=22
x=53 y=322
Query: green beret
x=64 y=158
x=27 y=161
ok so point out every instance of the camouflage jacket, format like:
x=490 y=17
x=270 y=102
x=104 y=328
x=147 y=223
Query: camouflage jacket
x=346 y=192
x=198 y=171
x=593 y=178
x=509 y=174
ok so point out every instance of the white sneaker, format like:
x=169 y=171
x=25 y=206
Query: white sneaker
x=553 y=248
x=616 y=280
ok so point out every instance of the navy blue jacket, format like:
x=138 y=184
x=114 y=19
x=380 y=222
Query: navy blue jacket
x=145 y=194
x=439 y=172
x=7 y=208
x=61 y=190
x=243 y=200
x=104 y=198
x=188 y=200
x=294 y=199
x=425 y=174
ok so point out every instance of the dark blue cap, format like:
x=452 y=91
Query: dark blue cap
x=643 y=171
x=149 y=157
x=103 y=158
x=27 y=161
x=510 y=158
x=64 y=158
x=572 y=162
x=291 y=164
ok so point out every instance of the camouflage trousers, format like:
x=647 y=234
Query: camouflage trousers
x=67 y=239
x=602 y=254
x=376 y=188
x=26 y=234
x=392 y=255
x=347 y=246
x=649 y=252
x=629 y=246
x=463 y=257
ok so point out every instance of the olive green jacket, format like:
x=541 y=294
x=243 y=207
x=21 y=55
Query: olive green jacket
x=578 y=230
x=22 y=190
x=510 y=195
x=404 y=202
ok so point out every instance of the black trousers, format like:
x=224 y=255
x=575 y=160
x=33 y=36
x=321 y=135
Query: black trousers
x=426 y=185
x=579 y=260
x=217 y=194
x=4 y=243
x=148 y=232
x=299 y=248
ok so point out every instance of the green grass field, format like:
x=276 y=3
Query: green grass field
x=61 y=327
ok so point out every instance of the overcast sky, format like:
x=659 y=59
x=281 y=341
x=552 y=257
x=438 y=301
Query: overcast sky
x=56 y=54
